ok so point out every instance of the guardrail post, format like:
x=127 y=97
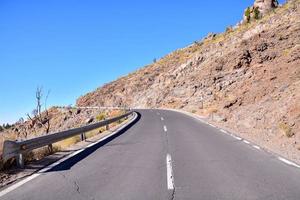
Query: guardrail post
x=50 y=148
x=107 y=127
x=83 y=137
x=20 y=161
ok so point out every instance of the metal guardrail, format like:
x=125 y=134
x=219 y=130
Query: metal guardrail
x=18 y=148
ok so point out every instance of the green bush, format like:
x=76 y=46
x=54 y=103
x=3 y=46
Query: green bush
x=248 y=14
x=256 y=13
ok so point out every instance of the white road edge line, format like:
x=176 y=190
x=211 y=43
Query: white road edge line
x=245 y=141
x=162 y=119
x=288 y=162
x=170 y=178
x=165 y=128
x=213 y=125
x=238 y=138
x=33 y=176
x=223 y=131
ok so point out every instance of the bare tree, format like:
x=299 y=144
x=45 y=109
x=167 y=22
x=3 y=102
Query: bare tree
x=39 y=116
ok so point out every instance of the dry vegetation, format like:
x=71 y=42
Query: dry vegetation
x=62 y=119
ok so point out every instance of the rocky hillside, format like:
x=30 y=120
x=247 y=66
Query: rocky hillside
x=246 y=79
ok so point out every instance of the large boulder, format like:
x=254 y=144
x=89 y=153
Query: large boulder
x=265 y=6
x=259 y=9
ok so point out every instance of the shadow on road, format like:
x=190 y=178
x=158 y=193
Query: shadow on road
x=67 y=164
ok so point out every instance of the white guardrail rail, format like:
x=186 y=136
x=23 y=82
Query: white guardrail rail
x=18 y=148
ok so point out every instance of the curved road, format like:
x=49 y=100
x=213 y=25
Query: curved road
x=167 y=155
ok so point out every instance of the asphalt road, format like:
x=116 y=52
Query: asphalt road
x=167 y=155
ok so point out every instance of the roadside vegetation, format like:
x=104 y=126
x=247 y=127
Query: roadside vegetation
x=43 y=121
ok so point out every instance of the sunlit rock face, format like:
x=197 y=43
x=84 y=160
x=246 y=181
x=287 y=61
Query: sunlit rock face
x=265 y=6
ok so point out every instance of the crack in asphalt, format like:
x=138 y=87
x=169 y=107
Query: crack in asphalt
x=173 y=193
x=74 y=182
x=77 y=187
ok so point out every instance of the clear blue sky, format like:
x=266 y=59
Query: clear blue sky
x=72 y=47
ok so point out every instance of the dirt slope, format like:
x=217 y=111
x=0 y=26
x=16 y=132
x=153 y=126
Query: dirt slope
x=246 y=79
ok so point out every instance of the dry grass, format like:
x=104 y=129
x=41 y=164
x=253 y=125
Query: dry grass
x=286 y=129
x=1 y=144
x=40 y=153
x=210 y=109
x=73 y=140
x=101 y=116
x=95 y=132
x=67 y=142
x=64 y=144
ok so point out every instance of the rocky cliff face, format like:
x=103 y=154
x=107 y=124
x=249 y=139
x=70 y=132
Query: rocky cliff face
x=247 y=79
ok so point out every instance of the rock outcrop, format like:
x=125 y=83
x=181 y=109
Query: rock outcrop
x=259 y=9
x=265 y=6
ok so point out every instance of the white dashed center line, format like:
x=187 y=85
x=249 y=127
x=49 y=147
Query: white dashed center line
x=165 y=129
x=162 y=119
x=170 y=178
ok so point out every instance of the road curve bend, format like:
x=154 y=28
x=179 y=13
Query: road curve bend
x=167 y=155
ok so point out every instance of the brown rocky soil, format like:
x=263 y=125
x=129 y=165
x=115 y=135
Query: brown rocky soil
x=246 y=79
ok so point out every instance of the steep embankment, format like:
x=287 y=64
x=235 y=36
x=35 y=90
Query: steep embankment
x=246 y=79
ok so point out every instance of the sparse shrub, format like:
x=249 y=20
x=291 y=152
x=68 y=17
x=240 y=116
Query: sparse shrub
x=6 y=165
x=286 y=52
x=229 y=29
x=256 y=13
x=94 y=132
x=7 y=126
x=286 y=129
x=40 y=153
x=211 y=109
x=194 y=111
x=1 y=128
x=197 y=43
x=101 y=116
x=248 y=14
x=67 y=142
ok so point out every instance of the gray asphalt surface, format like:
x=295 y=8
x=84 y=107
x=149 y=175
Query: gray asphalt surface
x=207 y=164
